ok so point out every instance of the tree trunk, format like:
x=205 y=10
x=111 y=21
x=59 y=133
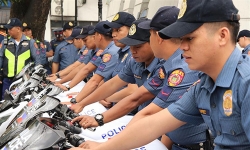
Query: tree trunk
x=34 y=13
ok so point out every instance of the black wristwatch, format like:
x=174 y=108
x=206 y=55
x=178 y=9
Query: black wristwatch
x=67 y=86
x=73 y=101
x=99 y=119
x=57 y=75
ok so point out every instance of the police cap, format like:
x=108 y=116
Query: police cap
x=164 y=17
x=68 y=25
x=136 y=34
x=100 y=29
x=243 y=33
x=74 y=34
x=84 y=31
x=121 y=19
x=25 y=26
x=194 y=13
x=13 y=22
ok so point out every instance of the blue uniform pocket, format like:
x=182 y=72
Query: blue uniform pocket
x=231 y=126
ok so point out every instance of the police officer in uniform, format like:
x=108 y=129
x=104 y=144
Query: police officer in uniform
x=2 y=36
x=107 y=60
x=58 y=38
x=88 y=39
x=66 y=52
x=45 y=50
x=243 y=40
x=221 y=98
x=141 y=67
x=19 y=51
x=188 y=136
x=79 y=44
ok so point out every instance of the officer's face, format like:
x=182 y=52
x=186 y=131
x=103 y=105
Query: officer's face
x=118 y=34
x=78 y=43
x=241 y=42
x=97 y=38
x=28 y=32
x=90 y=42
x=67 y=33
x=142 y=53
x=201 y=49
x=14 y=31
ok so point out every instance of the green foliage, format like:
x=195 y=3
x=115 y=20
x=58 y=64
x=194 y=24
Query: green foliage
x=5 y=2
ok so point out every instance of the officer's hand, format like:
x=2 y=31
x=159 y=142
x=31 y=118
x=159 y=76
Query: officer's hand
x=1 y=82
x=72 y=93
x=52 y=78
x=86 y=121
x=89 y=144
x=61 y=86
x=105 y=103
x=77 y=148
x=77 y=108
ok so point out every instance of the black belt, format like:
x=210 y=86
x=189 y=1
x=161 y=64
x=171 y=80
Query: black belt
x=194 y=146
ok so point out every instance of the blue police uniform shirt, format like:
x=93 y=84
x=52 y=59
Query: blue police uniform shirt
x=246 y=49
x=54 y=43
x=34 y=51
x=79 y=53
x=96 y=59
x=109 y=58
x=86 y=55
x=65 y=54
x=223 y=105
x=177 y=79
x=43 y=57
x=136 y=73
x=124 y=56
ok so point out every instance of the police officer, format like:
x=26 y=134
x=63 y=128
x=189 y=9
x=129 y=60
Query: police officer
x=58 y=38
x=221 y=98
x=188 y=136
x=88 y=60
x=2 y=32
x=138 y=70
x=27 y=30
x=66 y=52
x=108 y=59
x=243 y=40
x=82 y=51
x=2 y=36
x=19 y=51
x=44 y=47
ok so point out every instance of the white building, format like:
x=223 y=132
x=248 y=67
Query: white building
x=87 y=14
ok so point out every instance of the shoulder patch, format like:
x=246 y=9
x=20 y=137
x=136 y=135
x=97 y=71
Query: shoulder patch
x=85 y=52
x=99 y=52
x=175 y=77
x=161 y=74
x=106 y=57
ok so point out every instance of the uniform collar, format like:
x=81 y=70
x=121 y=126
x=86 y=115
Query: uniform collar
x=110 y=44
x=83 y=48
x=226 y=75
x=22 y=38
x=124 y=49
x=246 y=48
x=168 y=63
x=152 y=65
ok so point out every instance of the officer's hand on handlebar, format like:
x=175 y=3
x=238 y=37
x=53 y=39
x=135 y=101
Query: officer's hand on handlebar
x=77 y=148
x=77 y=108
x=61 y=86
x=89 y=144
x=52 y=78
x=86 y=121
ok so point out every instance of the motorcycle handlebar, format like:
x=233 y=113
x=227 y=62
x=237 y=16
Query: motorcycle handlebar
x=75 y=140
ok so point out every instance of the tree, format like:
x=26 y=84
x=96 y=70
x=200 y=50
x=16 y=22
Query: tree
x=33 y=12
